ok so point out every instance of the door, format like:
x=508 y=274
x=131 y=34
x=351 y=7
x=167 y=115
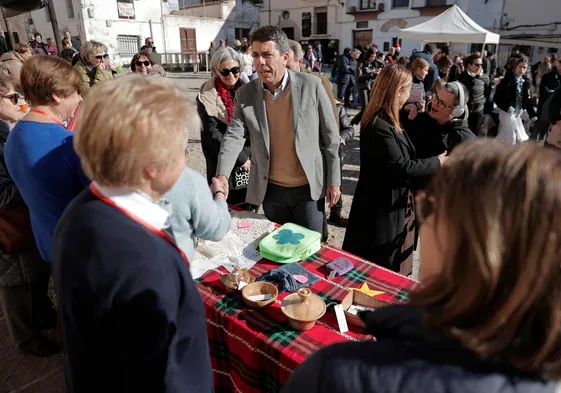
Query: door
x=289 y=31
x=188 y=39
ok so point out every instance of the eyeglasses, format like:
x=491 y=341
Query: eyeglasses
x=14 y=98
x=441 y=104
x=478 y=64
x=102 y=57
x=150 y=42
x=233 y=70
x=145 y=63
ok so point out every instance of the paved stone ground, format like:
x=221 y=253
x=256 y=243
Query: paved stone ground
x=27 y=374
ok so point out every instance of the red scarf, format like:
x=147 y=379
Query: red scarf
x=226 y=96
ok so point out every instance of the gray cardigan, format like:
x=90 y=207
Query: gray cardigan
x=195 y=212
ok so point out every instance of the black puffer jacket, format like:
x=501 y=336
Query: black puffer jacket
x=478 y=90
x=407 y=358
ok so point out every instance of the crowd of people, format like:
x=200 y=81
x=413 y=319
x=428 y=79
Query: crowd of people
x=100 y=215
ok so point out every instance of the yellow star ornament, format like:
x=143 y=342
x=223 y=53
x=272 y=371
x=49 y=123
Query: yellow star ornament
x=364 y=289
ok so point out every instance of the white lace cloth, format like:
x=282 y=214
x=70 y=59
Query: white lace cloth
x=238 y=248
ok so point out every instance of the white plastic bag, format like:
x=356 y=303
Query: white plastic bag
x=511 y=128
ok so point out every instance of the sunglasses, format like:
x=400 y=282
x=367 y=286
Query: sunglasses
x=150 y=43
x=145 y=63
x=14 y=98
x=101 y=57
x=234 y=71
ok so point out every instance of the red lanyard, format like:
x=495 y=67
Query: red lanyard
x=47 y=116
x=148 y=226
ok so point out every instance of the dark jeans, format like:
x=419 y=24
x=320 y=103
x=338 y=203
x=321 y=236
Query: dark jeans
x=345 y=90
x=27 y=309
x=295 y=205
x=475 y=120
x=363 y=95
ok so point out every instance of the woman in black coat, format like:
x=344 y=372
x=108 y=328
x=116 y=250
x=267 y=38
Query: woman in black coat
x=512 y=97
x=381 y=222
x=215 y=104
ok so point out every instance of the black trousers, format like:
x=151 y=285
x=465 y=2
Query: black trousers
x=336 y=209
x=295 y=205
x=27 y=309
x=475 y=120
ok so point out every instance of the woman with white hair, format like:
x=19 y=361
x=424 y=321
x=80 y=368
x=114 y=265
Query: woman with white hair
x=215 y=104
x=132 y=318
x=93 y=65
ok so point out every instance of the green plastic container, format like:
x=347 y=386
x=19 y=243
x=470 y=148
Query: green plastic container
x=290 y=243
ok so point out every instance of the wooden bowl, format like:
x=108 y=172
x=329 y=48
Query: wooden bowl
x=303 y=309
x=259 y=288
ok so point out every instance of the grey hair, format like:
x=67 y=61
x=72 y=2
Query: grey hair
x=222 y=54
x=453 y=88
x=296 y=48
x=355 y=50
x=272 y=33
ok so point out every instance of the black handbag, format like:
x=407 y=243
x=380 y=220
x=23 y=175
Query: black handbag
x=239 y=179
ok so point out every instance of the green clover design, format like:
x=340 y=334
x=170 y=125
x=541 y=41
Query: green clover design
x=287 y=236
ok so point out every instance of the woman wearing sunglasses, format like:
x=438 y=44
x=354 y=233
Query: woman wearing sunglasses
x=486 y=318
x=24 y=276
x=381 y=226
x=92 y=65
x=215 y=104
x=11 y=62
x=143 y=63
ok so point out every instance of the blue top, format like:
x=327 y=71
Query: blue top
x=42 y=162
x=132 y=317
x=195 y=213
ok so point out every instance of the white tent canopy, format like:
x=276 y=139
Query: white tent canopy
x=453 y=25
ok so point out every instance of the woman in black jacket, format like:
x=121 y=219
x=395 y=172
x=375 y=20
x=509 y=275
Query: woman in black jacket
x=381 y=222
x=512 y=97
x=477 y=84
x=215 y=104
x=487 y=315
x=365 y=74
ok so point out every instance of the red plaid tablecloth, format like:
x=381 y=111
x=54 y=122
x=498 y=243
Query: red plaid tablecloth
x=256 y=350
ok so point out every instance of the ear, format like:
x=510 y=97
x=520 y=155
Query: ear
x=151 y=172
x=285 y=57
x=56 y=98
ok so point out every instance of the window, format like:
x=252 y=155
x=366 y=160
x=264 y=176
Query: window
x=125 y=9
x=321 y=22
x=367 y=4
x=362 y=38
x=386 y=46
x=306 y=24
x=289 y=31
x=400 y=3
x=362 y=24
x=69 y=9
x=127 y=45
x=436 y=3
x=396 y=41
x=188 y=40
x=242 y=33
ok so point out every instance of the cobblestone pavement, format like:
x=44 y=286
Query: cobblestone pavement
x=27 y=374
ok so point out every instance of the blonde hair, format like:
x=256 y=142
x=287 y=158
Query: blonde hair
x=419 y=63
x=90 y=49
x=499 y=290
x=384 y=98
x=130 y=124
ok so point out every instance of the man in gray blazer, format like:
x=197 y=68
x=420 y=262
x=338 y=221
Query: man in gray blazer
x=294 y=137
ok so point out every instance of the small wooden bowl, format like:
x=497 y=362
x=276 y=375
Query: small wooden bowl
x=259 y=288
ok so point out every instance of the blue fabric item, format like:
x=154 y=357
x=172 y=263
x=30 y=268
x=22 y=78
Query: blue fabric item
x=284 y=276
x=48 y=173
x=132 y=317
x=195 y=213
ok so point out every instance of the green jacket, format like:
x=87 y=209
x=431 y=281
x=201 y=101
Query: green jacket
x=90 y=79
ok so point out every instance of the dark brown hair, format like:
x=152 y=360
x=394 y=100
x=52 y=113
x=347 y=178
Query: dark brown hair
x=499 y=290
x=138 y=56
x=42 y=76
